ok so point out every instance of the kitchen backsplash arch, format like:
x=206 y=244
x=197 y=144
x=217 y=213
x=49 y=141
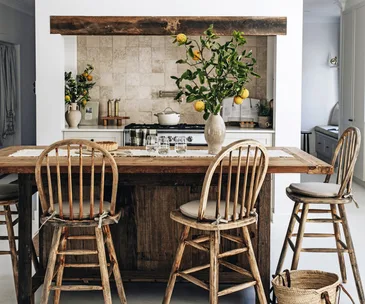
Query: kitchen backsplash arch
x=136 y=68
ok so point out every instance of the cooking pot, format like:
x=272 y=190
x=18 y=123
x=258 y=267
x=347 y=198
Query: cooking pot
x=168 y=117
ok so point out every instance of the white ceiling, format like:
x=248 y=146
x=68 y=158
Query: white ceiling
x=322 y=9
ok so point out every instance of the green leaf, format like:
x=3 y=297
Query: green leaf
x=190 y=51
x=181 y=61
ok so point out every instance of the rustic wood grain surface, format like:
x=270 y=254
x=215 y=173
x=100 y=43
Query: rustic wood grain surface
x=301 y=162
x=163 y=25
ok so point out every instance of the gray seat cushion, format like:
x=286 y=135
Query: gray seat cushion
x=8 y=192
x=316 y=189
x=191 y=209
x=85 y=207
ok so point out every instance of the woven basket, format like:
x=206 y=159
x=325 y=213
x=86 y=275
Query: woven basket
x=306 y=287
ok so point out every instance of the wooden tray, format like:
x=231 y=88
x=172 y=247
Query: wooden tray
x=119 y=119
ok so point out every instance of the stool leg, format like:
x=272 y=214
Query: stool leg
x=352 y=255
x=115 y=266
x=12 y=245
x=214 y=268
x=287 y=237
x=51 y=265
x=62 y=258
x=176 y=265
x=254 y=268
x=341 y=258
x=308 y=148
x=300 y=236
x=103 y=266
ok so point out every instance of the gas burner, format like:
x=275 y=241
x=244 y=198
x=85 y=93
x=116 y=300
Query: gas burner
x=134 y=126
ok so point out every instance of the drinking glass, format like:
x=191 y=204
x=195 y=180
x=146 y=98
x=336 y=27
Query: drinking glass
x=163 y=145
x=180 y=144
x=151 y=143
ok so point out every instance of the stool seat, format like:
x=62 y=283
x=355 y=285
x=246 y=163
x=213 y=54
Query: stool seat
x=313 y=189
x=191 y=209
x=8 y=192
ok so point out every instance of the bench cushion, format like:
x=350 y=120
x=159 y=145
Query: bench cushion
x=191 y=209
x=313 y=189
x=8 y=192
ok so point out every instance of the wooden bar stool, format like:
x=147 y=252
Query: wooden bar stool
x=8 y=200
x=67 y=213
x=335 y=195
x=246 y=162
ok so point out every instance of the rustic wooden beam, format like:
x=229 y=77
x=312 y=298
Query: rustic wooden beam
x=93 y=25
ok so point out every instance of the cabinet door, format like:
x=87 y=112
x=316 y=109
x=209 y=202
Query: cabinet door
x=320 y=143
x=347 y=69
x=264 y=138
x=95 y=136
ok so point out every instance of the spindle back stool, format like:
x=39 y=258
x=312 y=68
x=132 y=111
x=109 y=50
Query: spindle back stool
x=9 y=196
x=245 y=162
x=335 y=195
x=82 y=158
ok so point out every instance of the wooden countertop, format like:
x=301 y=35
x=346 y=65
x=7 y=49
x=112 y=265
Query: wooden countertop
x=301 y=162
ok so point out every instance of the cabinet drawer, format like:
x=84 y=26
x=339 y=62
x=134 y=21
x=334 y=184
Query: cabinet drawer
x=96 y=136
x=264 y=138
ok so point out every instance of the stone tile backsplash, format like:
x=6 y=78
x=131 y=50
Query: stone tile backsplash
x=136 y=68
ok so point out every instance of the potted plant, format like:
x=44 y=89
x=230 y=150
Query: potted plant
x=77 y=94
x=215 y=71
x=264 y=110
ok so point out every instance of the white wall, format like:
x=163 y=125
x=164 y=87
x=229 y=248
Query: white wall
x=18 y=28
x=350 y=3
x=51 y=58
x=320 y=82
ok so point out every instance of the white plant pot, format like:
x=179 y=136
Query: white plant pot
x=214 y=133
x=73 y=116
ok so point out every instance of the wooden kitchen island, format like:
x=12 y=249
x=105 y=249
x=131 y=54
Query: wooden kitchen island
x=145 y=237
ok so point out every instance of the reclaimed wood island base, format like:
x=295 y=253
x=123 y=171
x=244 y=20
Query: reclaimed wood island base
x=145 y=237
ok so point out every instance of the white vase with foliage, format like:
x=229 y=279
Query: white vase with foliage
x=215 y=71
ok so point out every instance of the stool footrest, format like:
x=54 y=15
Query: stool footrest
x=232 y=252
x=78 y=252
x=323 y=250
x=193 y=280
x=76 y=287
x=236 y=268
x=236 y=288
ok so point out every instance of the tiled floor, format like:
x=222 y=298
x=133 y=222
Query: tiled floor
x=149 y=293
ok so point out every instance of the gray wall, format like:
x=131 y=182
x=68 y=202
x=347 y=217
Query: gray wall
x=18 y=28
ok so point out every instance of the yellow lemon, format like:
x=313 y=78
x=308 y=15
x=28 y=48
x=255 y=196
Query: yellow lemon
x=181 y=38
x=67 y=98
x=199 y=106
x=244 y=93
x=238 y=100
x=85 y=74
x=89 y=77
x=84 y=102
x=196 y=55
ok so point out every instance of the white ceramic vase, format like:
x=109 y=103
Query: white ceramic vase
x=73 y=115
x=214 y=133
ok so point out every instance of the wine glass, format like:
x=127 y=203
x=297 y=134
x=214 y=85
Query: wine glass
x=151 y=143
x=163 y=145
x=180 y=144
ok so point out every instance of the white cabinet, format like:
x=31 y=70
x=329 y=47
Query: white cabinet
x=264 y=138
x=116 y=136
x=353 y=76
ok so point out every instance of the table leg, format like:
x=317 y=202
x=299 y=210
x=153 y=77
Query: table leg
x=263 y=234
x=25 y=239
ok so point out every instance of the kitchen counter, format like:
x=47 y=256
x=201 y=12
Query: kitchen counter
x=149 y=189
x=231 y=129
x=94 y=129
